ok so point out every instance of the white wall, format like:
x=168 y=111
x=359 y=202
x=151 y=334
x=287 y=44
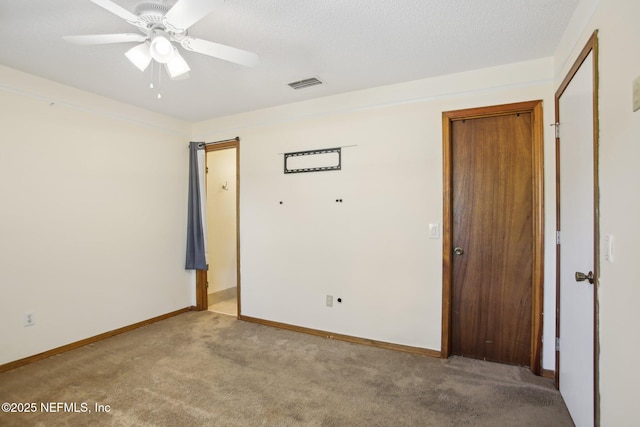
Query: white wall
x=619 y=293
x=92 y=215
x=372 y=250
x=221 y=220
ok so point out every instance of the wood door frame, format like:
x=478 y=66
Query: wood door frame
x=537 y=140
x=591 y=47
x=201 y=275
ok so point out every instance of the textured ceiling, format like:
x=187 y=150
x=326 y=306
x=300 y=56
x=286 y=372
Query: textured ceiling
x=349 y=44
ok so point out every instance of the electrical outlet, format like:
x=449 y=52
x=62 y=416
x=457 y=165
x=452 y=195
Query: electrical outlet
x=329 y=300
x=29 y=319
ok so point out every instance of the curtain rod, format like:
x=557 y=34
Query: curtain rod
x=204 y=144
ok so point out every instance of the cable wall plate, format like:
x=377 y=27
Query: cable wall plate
x=326 y=159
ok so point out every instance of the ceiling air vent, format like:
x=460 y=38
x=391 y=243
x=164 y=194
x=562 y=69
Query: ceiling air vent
x=306 y=83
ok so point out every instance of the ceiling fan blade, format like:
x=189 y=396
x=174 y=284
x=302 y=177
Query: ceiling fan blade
x=140 y=56
x=177 y=67
x=105 y=38
x=220 y=51
x=121 y=12
x=185 y=13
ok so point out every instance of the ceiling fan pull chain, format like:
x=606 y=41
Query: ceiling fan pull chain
x=151 y=77
x=159 y=77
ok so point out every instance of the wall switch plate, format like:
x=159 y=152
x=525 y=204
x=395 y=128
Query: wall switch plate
x=29 y=319
x=329 y=300
x=434 y=231
x=636 y=94
x=608 y=247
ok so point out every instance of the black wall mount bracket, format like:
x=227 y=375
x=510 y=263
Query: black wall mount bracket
x=320 y=162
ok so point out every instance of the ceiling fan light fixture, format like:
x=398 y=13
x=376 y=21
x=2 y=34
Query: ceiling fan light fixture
x=139 y=56
x=161 y=49
x=177 y=66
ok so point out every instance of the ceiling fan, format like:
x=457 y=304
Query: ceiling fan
x=159 y=26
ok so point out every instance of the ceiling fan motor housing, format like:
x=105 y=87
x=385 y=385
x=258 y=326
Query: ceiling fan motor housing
x=152 y=12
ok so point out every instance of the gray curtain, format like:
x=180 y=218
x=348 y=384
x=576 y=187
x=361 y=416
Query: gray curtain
x=196 y=259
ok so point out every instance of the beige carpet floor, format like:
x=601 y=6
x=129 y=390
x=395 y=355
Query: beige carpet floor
x=208 y=369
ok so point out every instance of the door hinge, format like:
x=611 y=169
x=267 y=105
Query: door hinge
x=557 y=237
x=557 y=343
x=557 y=127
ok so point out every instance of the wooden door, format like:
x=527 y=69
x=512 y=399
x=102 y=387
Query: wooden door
x=495 y=238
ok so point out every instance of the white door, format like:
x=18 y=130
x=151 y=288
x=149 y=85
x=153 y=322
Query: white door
x=576 y=163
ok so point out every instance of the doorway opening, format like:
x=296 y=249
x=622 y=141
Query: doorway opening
x=493 y=234
x=222 y=228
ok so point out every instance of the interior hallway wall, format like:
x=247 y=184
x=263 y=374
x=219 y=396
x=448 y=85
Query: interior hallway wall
x=372 y=249
x=93 y=200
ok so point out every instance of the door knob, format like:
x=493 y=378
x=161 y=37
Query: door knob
x=581 y=277
x=458 y=250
